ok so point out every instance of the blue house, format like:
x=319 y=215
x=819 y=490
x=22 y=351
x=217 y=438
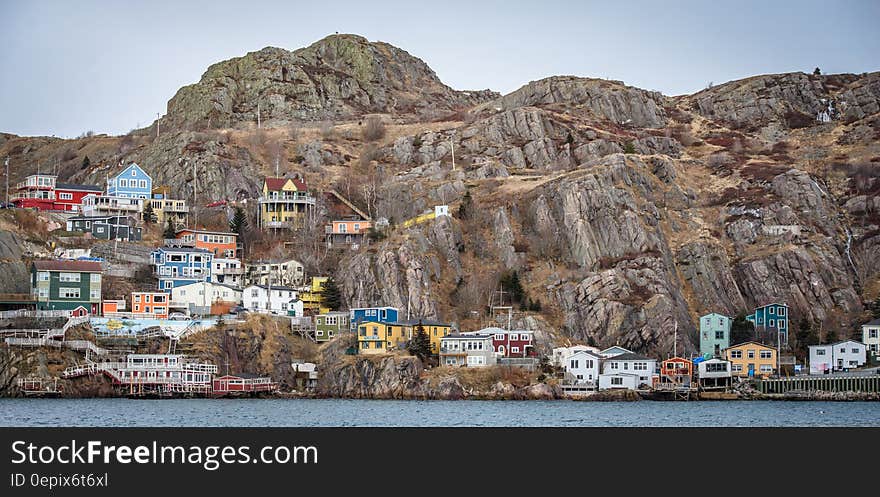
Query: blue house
x=132 y=182
x=178 y=266
x=714 y=334
x=771 y=317
x=375 y=314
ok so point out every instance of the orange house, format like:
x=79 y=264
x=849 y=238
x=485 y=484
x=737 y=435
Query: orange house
x=676 y=370
x=223 y=244
x=150 y=304
x=347 y=231
x=111 y=306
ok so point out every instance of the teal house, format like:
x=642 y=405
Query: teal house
x=771 y=317
x=67 y=285
x=714 y=334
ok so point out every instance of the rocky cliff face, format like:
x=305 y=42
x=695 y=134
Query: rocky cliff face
x=339 y=77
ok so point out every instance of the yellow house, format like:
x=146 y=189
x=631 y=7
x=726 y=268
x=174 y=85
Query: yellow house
x=285 y=203
x=313 y=299
x=751 y=359
x=378 y=338
x=435 y=331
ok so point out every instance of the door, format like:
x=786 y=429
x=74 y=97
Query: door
x=840 y=364
x=751 y=370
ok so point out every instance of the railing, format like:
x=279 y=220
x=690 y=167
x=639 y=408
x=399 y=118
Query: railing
x=371 y=338
x=229 y=271
x=278 y=224
x=17 y=297
x=178 y=242
x=135 y=315
x=27 y=313
x=290 y=197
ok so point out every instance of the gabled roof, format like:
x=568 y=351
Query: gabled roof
x=837 y=343
x=875 y=322
x=425 y=322
x=751 y=342
x=71 y=186
x=587 y=352
x=205 y=232
x=273 y=287
x=630 y=356
x=184 y=249
x=133 y=164
x=72 y=266
x=276 y=184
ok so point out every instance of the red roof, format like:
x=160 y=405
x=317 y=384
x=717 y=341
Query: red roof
x=73 y=266
x=276 y=184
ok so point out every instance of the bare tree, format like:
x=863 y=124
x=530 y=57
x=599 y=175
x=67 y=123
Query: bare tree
x=374 y=129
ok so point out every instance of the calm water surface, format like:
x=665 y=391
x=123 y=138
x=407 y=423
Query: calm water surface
x=341 y=412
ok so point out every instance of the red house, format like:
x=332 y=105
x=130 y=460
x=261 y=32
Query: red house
x=515 y=343
x=243 y=383
x=68 y=197
x=676 y=371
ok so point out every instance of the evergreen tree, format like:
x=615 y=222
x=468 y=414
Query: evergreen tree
x=741 y=330
x=817 y=72
x=875 y=309
x=805 y=336
x=467 y=203
x=239 y=222
x=169 y=232
x=148 y=215
x=330 y=294
x=420 y=345
x=831 y=336
x=510 y=283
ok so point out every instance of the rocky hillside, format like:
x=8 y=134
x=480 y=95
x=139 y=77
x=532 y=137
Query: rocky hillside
x=625 y=213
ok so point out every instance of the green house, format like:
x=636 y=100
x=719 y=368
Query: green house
x=67 y=285
x=714 y=334
x=329 y=325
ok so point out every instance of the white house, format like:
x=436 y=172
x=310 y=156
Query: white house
x=269 y=299
x=840 y=356
x=471 y=350
x=631 y=363
x=614 y=351
x=280 y=272
x=560 y=354
x=871 y=337
x=714 y=373
x=609 y=381
x=196 y=298
x=227 y=270
x=583 y=367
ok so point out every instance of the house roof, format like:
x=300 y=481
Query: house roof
x=875 y=322
x=630 y=356
x=470 y=335
x=618 y=347
x=243 y=376
x=73 y=266
x=750 y=343
x=71 y=186
x=274 y=287
x=425 y=322
x=93 y=218
x=276 y=184
x=586 y=351
x=205 y=231
x=837 y=343
x=184 y=249
x=225 y=285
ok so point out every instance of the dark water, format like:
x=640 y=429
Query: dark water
x=339 y=412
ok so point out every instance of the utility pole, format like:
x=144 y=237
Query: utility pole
x=675 y=341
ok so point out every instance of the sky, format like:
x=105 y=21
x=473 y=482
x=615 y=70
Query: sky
x=68 y=67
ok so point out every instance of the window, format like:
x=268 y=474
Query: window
x=820 y=352
x=853 y=363
x=766 y=368
x=43 y=276
x=736 y=354
x=515 y=350
x=514 y=336
x=716 y=367
x=65 y=196
x=68 y=293
x=95 y=278
x=872 y=334
x=751 y=354
x=143 y=183
x=613 y=365
x=617 y=381
x=94 y=294
x=719 y=335
x=772 y=311
x=68 y=277
x=782 y=311
x=43 y=293
x=771 y=323
x=766 y=354
x=737 y=368
x=855 y=351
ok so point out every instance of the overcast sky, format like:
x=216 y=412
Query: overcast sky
x=68 y=67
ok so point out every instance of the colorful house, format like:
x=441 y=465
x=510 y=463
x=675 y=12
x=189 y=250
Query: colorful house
x=287 y=272
x=377 y=338
x=348 y=232
x=150 y=305
x=285 y=203
x=101 y=205
x=372 y=314
x=313 y=299
x=69 y=197
x=107 y=227
x=227 y=271
x=330 y=324
x=434 y=329
x=177 y=266
x=165 y=208
x=676 y=372
x=714 y=334
x=37 y=191
x=222 y=244
x=112 y=306
x=67 y=285
x=131 y=182
x=771 y=317
x=511 y=343
x=751 y=359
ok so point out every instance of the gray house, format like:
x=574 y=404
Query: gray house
x=106 y=227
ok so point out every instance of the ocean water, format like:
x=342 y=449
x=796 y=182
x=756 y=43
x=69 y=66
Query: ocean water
x=431 y=413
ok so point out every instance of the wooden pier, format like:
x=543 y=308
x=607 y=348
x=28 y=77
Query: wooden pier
x=827 y=383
